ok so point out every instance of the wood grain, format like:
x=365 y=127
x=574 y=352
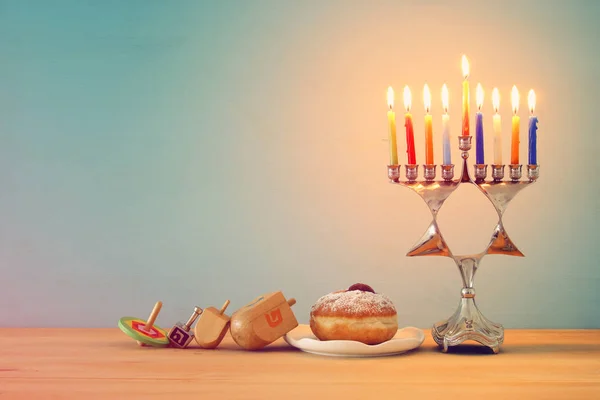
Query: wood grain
x=106 y=364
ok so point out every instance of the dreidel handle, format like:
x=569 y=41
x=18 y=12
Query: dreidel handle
x=153 y=315
x=193 y=318
x=151 y=319
x=291 y=302
x=225 y=305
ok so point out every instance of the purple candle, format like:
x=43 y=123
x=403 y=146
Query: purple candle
x=479 y=158
x=533 y=140
x=532 y=130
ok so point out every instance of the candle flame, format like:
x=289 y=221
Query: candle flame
x=496 y=99
x=514 y=96
x=531 y=101
x=479 y=96
x=407 y=98
x=465 y=66
x=390 y=97
x=427 y=98
x=445 y=98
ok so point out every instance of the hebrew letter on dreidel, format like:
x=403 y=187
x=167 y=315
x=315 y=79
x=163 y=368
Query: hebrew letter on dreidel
x=180 y=334
x=274 y=318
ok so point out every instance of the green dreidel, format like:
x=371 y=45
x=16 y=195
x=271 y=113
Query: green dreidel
x=145 y=332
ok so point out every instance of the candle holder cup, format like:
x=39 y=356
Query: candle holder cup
x=497 y=172
x=464 y=144
x=429 y=172
x=467 y=323
x=394 y=172
x=533 y=172
x=480 y=172
x=412 y=172
x=515 y=171
x=447 y=172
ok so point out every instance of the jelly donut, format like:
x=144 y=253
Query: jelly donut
x=357 y=313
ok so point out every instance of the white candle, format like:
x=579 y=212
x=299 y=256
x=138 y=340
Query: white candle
x=392 y=130
x=446 y=127
x=497 y=128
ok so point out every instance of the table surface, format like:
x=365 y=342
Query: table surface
x=107 y=364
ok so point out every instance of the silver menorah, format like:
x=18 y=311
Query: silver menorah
x=467 y=323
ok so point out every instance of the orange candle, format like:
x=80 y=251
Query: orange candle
x=428 y=126
x=514 y=153
x=466 y=98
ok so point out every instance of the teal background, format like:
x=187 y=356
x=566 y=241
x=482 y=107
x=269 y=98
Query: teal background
x=198 y=151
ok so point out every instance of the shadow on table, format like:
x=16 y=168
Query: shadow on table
x=466 y=348
x=478 y=349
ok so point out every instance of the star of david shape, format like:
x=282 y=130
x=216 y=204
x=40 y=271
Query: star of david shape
x=467 y=323
x=435 y=193
x=153 y=333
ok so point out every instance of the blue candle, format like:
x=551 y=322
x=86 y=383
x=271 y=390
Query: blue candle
x=479 y=159
x=532 y=130
x=533 y=140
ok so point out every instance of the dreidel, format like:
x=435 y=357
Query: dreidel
x=212 y=327
x=180 y=334
x=146 y=333
x=262 y=321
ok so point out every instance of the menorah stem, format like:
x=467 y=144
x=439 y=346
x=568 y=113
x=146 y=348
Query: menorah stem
x=465 y=177
x=468 y=266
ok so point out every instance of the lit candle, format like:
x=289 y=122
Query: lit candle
x=479 y=158
x=532 y=129
x=446 y=127
x=497 y=128
x=410 y=136
x=514 y=155
x=428 y=126
x=466 y=98
x=392 y=130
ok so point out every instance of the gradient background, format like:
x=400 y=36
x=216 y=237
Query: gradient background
x=198 y=151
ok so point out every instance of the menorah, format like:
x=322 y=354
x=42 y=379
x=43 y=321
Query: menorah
x=467 y=323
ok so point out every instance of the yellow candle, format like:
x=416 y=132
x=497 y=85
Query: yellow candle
x=392 y=130
x=466 y=98
x=408 y=123
x=497 y=128
x=428 y=126
x=514 y=154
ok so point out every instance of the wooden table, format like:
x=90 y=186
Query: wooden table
x=106 y=364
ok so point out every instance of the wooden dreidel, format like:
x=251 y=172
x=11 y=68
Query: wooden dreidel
x=145 y=332
x=180 y=335
x=262 y=321
x=212 y=327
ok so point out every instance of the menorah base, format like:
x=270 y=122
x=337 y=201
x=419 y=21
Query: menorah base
x=468 y=323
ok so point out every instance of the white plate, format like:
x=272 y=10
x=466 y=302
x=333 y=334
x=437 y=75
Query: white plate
x=406 y=339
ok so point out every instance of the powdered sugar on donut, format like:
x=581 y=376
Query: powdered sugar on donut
x=354 y=303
